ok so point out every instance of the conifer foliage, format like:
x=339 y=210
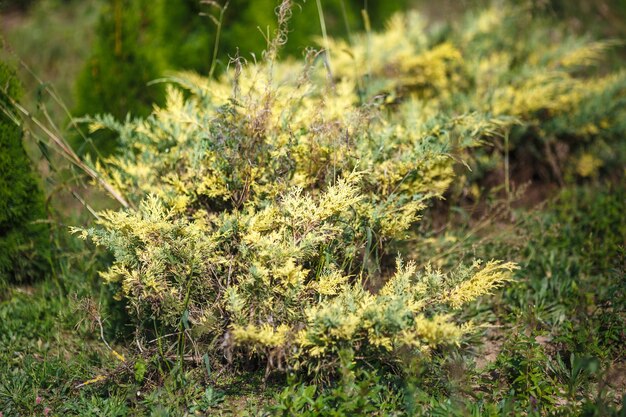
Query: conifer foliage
x=24 y=247
x=265 y=201
x=138 y=41
x=268 y=202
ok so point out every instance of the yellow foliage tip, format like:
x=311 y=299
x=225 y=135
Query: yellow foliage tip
x=261 y=336
x=485 y=279
x=92 y=381
x=118 y=356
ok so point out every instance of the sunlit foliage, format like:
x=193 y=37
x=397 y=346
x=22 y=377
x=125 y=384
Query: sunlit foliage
x=265 y=201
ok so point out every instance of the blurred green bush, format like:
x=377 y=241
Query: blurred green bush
x=114 y=78
x=23 y=241
x=265 y=202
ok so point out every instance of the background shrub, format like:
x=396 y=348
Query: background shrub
x=115 y=77
x=559 y=104
x=24 y=252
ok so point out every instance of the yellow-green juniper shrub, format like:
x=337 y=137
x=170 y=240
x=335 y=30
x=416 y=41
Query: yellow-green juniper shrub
x=263 y=202
x=503 y=62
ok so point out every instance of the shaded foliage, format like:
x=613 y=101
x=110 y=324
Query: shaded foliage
x=24 y=247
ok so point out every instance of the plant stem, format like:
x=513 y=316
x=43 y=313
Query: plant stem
x=320 y=11
x=217 y=39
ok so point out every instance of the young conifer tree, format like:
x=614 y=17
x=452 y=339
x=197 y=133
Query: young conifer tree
x=24 y=250
x=114 y=79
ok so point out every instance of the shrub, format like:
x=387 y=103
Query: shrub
x=23 y=242
x=115 y=76
x=267 y=202
x=561 y=106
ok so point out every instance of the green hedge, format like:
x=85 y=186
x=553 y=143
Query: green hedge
x=24 y=251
